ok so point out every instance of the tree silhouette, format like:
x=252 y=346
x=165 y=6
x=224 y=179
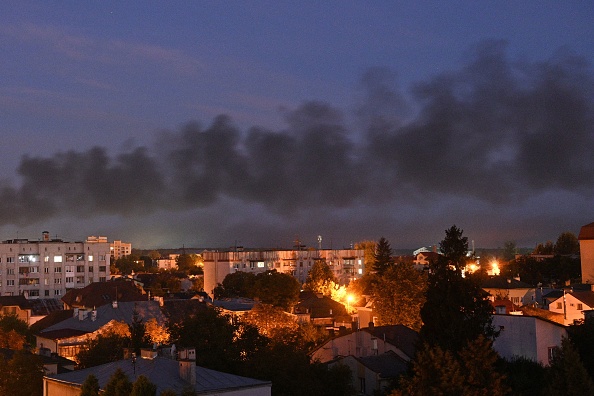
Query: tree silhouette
x=457 y=310
x=382 y=256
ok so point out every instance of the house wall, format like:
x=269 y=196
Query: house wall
x=527 y=337
x=587 y=260
x=573 y=308
x=517 y=296
x=358 y=343
x=55 y=388
x=359 y=371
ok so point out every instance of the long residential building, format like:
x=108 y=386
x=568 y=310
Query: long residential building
x=49 y=267
x=347 y=264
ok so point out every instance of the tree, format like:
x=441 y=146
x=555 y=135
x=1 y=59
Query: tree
x=102 y=349
x=270 y=320
x=220 y=343
x=369 y=254
x=128 y=264
x=186 y=262
x=456 y=310
x=454 y=247
x=90 y=387
x=143 y=387
x=399 y=295
x=525 y=376
x=118 y=384
x=547 y=248
x=509 y=250
x=320 y=278
x=278 y=289
x=473 y=372
x=238 y=284
x=382 y=258
x=14 y=332
x=567 y=375
x=22 y=375
x=567 y=243
x=157 y=333
x=138 y=335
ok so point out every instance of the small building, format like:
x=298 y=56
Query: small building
x=529 y=337
x=165 y=373
x=370 y=341
x=101 y=293
x=572 y=305
x=18 y=306
x=66 y=337
x=518 y=292
x=372 y=375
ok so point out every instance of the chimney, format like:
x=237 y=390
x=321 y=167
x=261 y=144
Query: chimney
x=187 y=365
x=114 y=304
x=75 y=313
x=94 y=315
x=45 y=236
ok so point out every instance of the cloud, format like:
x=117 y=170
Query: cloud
x=496 y=132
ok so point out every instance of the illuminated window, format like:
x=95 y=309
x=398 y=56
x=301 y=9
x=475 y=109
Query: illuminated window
x=57 y=259
x=90 y=258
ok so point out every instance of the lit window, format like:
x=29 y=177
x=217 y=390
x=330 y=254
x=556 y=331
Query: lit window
x=90 y=258
x=57 y=259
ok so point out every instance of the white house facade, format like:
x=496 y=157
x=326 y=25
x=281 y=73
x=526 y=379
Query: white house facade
x=527 y=336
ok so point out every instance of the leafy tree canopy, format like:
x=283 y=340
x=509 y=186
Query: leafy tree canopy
x=320 y=278
x=399 y=295
x=567 y=243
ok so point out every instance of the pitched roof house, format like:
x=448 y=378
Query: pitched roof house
x=518 y=292
x=100 y=293
x=572 y=305
x=372 y=375
x=530 y=337
x=165 y=373
x=66 y=337
x=370 y=341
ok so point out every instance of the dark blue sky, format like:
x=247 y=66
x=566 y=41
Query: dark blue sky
x=215 y=123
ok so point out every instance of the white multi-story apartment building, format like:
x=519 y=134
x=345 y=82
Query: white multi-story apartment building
x=347 y=264
x=47 y=268
x=120 y=249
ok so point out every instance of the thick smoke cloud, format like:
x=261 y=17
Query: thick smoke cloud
x=496 y=131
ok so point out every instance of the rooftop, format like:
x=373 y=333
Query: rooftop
x=164 y=373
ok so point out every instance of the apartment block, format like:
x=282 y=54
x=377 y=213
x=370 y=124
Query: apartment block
x=119 y=249
x=347 y=264
x=47 y=268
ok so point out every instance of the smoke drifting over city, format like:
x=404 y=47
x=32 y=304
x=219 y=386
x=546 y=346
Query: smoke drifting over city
x=497 y=131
